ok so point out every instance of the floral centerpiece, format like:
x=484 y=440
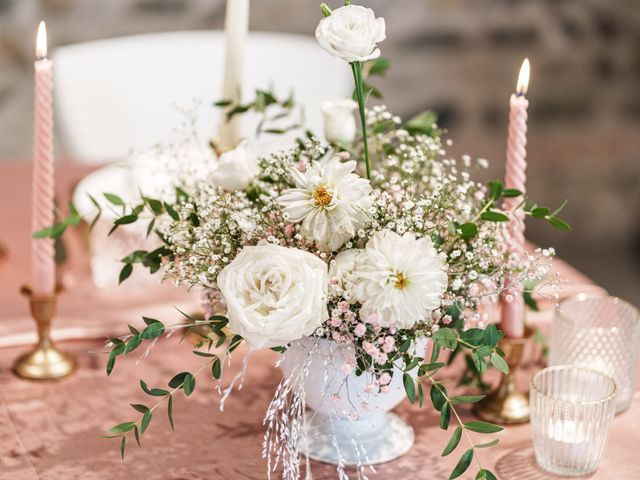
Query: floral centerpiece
x=348 y=258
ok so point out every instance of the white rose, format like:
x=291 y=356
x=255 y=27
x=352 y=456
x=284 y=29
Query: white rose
x=351 y=33
x=235 y=169
x=339 y=122
x=274 y=294
x=342 y=273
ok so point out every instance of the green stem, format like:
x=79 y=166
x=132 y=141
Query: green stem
x=357 y=76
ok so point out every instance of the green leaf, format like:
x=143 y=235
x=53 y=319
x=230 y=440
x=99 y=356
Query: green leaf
x=114 y=199
x=123 y=427
x=111 y=362
x=491 y=336
x=438 y=396
x=479 y=362
x=467 y=398
x=178 y=380
x=420 y=395
x=132 y=344
x=123 y=444
x=495 y=190
x=423 y=123
x=511 y=192
x=485 y=350
x=171 y=211
x=137 y=435
x=482 y=427
x=153 y=330
x=216 y=368
x=453 y=441
x=405 y=346
x=189 y=384
x=235 y=342
x=447 y=338
x=493 y=216
x=429 y=367
x=409 y=387
x=490 y=444
x=203 y=354
x=126 y=220
x=150 y=321
x=125 y=272
x=559 y=224
x=150 y=226
x=154 y=392
x=499 y=362
x=463 y=464
x=379 y=66
x=474 y=336
x=468 y=230
x=530 y=301
x=146 y=419
x=445 y=416
x=539 y=212
x=154 y=205
x=133 y=330
x=139 y=407
x=170 y=412
x=485 y=475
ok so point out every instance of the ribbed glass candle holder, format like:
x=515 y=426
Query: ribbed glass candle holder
x=571 y=413
x=600 y=333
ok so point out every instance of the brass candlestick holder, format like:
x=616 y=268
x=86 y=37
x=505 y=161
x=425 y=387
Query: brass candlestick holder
x=45 y=361
x=507 y=405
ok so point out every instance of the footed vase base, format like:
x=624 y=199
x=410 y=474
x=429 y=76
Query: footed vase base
x=370 y=441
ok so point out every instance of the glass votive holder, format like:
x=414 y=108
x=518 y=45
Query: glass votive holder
x=571 y=413
x=600 y=333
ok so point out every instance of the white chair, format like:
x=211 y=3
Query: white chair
x=119 y=94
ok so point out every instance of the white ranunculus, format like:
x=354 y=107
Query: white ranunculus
x=351 y=33
x=235 y=169
x=401 y=279
x=274 y=294
x=330 y=200
x=339 y=121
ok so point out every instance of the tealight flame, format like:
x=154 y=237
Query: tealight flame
x=41 y=41
x=523 y=78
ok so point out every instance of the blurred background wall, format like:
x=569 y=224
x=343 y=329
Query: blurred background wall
x=458 y=57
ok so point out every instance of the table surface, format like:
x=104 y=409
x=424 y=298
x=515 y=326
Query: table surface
x=52 y=430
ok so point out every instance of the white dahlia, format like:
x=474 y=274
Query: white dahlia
x=330 y=200
x=400 y=279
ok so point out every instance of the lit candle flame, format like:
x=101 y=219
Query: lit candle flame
x=523 y=78
x=41 y=41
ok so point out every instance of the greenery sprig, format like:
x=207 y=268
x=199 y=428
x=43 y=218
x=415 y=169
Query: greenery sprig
x=216 y=337
x=271 y=108
x=482 y=344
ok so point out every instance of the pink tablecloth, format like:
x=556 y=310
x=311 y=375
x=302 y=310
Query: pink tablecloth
x=51 y=430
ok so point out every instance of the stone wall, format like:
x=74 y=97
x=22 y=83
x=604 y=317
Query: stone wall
x=459 y=57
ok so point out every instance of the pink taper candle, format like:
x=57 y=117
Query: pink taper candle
x=42 y=250
x=512 y=323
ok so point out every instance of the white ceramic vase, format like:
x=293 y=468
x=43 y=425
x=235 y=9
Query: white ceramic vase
x=347 y=423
